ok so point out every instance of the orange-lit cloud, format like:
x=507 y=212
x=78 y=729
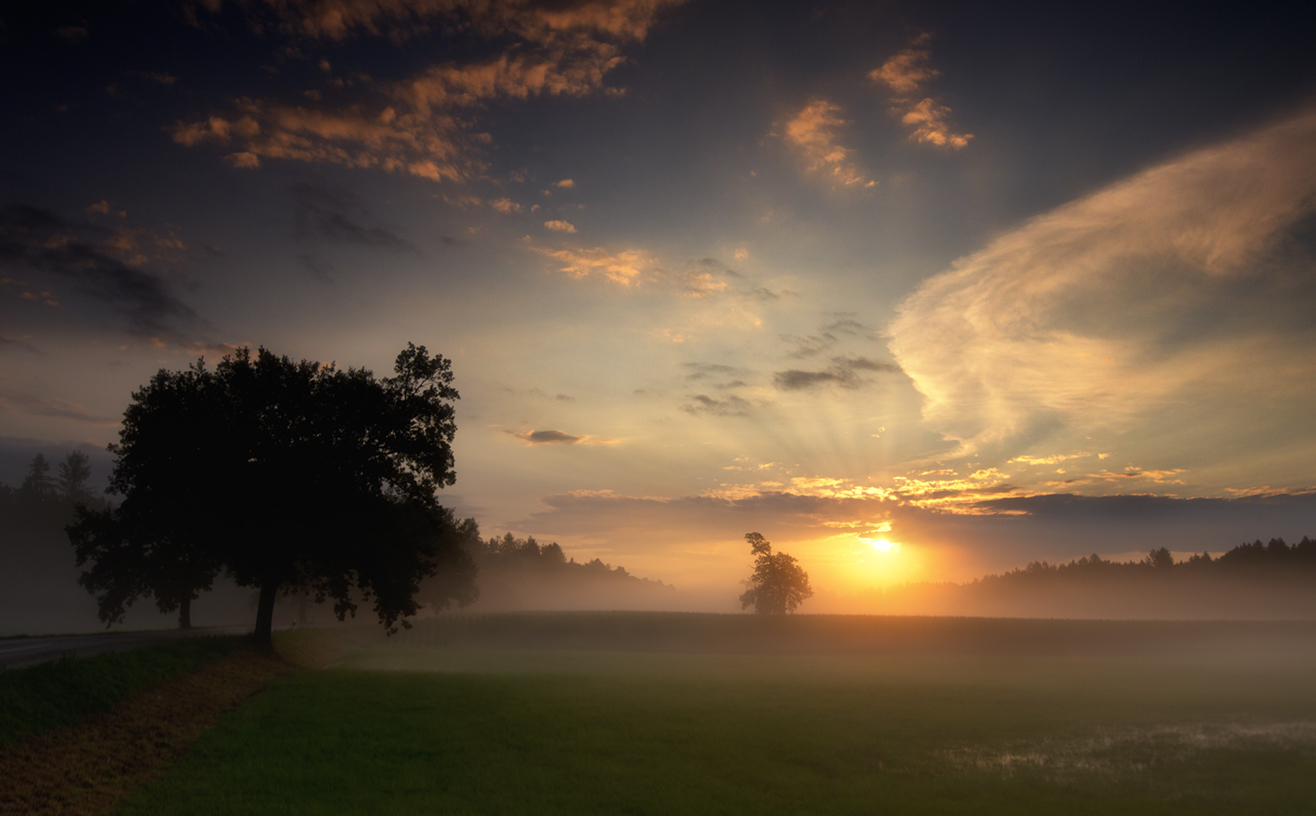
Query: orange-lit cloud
x=1053 y=459
x=401 y=19
x=1130 y=473
x=626 y=267
x=813 y=133
x=928 y=119
x=905 y=74
x=560 y=226
x=422 y=125
x=1161 y=292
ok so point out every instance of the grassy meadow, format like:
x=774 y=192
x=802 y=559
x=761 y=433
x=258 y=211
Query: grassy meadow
x=651 y=713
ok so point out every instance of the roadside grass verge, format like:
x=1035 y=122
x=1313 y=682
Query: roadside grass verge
x=67 y=691
x=415 y=729
x=87 y=767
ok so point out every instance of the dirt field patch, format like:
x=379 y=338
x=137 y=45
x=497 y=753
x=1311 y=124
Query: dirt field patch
x=87 y=768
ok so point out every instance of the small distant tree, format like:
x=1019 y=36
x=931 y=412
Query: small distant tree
x=74 y=476
x=37 y=483
x=1159 y=559
x=779 y=585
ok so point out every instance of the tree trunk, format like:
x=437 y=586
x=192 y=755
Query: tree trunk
x=269 y=591
x=185 y=612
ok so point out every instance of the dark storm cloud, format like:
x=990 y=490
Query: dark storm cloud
x=340 y=217
x=40 y=240
x=844 y=372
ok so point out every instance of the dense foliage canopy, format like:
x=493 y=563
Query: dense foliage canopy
x=289 y=475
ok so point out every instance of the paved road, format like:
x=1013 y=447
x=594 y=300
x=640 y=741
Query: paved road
x=18 y=652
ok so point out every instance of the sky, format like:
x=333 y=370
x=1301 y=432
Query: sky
x=918 y=291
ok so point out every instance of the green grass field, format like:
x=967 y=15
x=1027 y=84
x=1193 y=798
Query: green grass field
x=417 y=726
x=69 y=690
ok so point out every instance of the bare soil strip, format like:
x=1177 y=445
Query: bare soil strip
x=87 y=769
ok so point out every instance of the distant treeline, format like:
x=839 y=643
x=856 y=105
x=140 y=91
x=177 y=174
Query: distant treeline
x=1252 y=580
x=1273 y=558
x=39 y=590
x=38 y=575
x=520 y=573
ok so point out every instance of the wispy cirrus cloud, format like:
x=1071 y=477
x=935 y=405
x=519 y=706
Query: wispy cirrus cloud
x=51 y=407
x=905 y=74
x=110 y=268
x=338 y=216
x=1171 y=291
x=814 y=133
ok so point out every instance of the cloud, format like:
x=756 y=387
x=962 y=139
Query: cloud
x=335 y=215
x=103 y=208
x=1174 y=290
x=50 y=407
x=844 y=372
x=626 y=267
x=928 y=119
x=813 y=133
x=708 y=371
x=565 y=184
x=425 y=125
x=12 y=343
x=560 y=226
x=551 y=437
x=1053 y=459
x=159 y=77
x=905 y=74
x=730 y=405
x=547 y=437
x=402 y=19
x=1107 y=477
x=505 y=205
x=105 y=265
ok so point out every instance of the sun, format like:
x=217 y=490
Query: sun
x=882 y=545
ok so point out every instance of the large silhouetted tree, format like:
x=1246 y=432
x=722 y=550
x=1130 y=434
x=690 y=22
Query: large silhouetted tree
x=297 y=476
x=154 y=543
x=778 y=585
